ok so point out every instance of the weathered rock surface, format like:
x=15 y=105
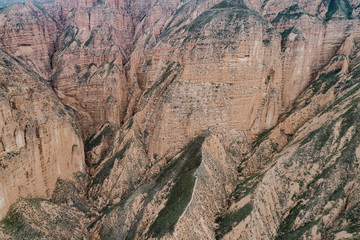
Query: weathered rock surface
x=310 y=103
x=181 y=98
x=64 y=217
x=190 y=188
x=223 y=59
x=310 y=189
x=42 y=219
x=29 y=33
x=39 y=140
x=88 y=64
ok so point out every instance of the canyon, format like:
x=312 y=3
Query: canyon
x=179 y=119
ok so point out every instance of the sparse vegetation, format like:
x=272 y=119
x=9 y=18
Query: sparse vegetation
x=319 y=137
x=286 y=33
x=99 y=2
x=87 y=43
x=231 y=219
x=339 y=9
x=287 y=224
x=330 y=79
x=91 y=65
x=7 y=157
x=170 y=26
x=70 y=33
x=4 y=86
x=261 y=137
x=108 y=166
x=180 y=194
x=94 y=142
x=202 y=20
x=266 y=42
x=239 y=10
x=342 y=98
x=338 y=193
x=148 y=63
x=2 y=165
x=293 y=12
x=325 y=82
x=131 y=122
x=246 y=187
x=162 y=78
x=155 y=204
x=77 y=69
x=16 y=225
x=231 y=4
x=353 y=213
x=111 y=66
x=85 y=78
x=56 y=74
x=296 y=234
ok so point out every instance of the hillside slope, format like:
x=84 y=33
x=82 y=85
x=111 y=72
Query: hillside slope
x=197 y=119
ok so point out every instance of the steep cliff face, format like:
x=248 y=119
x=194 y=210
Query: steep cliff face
x=88 y=72
x=117 y=70
x=191 y=188
x=229 y=69
x=209 y=64
x=64 y=217
x=310 y=189
x=183 y=99
x=29 y=33
x=39 y=140
x=310 y=103
x=338 y=9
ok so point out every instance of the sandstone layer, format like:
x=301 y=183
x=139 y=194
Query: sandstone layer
x=310 y=189
x=39 y=139
x=178 y=102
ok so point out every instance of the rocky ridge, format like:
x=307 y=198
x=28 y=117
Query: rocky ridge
x=184 y=93
x=40 y=141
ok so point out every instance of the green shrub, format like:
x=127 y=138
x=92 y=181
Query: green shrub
x=202 y=20
x=180 y=195
x=292 y=12
x=108 y=166
x=17 y=226
x=77 y=69
x=162 y=78
x=7 y=157
x=266 y=42
x=229 y=220
x=339 y=6
x=326 y=81
x=94 y=142
x=87 y=43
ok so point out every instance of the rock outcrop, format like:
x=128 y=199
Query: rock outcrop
x=29 y=33
x=88 y=72
x=223 y=59
x=39 y=140
x=310 y=189
x=190 y=188
x=178 y=101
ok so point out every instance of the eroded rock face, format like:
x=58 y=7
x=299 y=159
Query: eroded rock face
x=227 y=49
x=39 y=218
x=29 y=33
x=104 y=77
x=64 y=217
x=88 y=64
x=311 y=189
x=212 y=65
x=39 y=140
x=178 y=95
x=310 y=103
x=192 y=186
